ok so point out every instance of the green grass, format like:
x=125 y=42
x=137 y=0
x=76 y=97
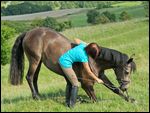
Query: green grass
x=132 y=11
x=127 y=4
x=128 y=37
x=80 y=19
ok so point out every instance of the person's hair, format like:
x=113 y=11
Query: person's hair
x=92 y=50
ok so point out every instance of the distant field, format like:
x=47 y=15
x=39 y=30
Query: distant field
x=127 y=4
x=43 y=15
x=80 y=19
x=128 y=37
x=77 y=17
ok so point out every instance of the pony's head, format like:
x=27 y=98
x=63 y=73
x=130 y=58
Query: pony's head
x=123 y=73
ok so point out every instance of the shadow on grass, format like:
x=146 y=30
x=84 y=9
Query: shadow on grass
x=15 y=100
x=57 y=96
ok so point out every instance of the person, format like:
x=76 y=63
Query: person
x=80 y=53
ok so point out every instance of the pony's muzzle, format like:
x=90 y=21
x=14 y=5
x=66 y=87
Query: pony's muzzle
x=124 y=86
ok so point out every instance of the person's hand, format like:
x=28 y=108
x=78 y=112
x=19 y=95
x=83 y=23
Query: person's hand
x=100 y=81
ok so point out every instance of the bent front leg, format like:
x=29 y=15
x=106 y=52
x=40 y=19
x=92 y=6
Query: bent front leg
x=90 y=91
x=112 y=87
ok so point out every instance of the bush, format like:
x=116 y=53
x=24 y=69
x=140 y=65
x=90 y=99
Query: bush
x=95 y=17
x=65 y=25
x=92 y=15
x=6 y=34
x=124 y=16
x=102 y=19
x=51 y=23
x=110 y=16
x=36 y=23
x=19 y=26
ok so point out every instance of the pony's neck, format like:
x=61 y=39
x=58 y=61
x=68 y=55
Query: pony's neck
x=110 y=58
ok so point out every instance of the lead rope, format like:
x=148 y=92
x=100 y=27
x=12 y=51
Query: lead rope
x=111 y=87
x=108 y=85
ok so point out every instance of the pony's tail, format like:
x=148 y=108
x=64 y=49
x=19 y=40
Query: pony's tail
x=17 y=62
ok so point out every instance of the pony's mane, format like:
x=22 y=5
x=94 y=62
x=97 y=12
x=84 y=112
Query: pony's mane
x=113 y=56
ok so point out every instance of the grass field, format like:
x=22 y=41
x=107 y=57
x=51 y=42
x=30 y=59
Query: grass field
x=42 y=15
x=80 y=19
x=127 y=4
x=78 y=16
x=128 y=37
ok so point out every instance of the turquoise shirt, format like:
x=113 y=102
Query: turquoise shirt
x=76 y=54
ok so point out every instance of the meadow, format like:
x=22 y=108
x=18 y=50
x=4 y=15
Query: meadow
x=128 y=37
x=135 y=10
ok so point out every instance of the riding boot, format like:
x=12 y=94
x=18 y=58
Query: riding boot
x=68 y=94
x=73 y=97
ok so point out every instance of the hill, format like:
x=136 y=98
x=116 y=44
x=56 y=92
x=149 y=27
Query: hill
x=128 y=37
x=42 y=15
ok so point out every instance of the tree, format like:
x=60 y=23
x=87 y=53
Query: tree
x=81 y=4
x=104 y=4
x=6 y=34
x=24 y=8
x=146 y=7
x=124 y=16
x=100 y=6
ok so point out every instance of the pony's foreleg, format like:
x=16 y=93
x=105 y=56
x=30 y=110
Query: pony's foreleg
x=111 y=86
x=90 y=91
x=30 y=76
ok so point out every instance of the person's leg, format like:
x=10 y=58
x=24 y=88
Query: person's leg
x=73 y=97
x=68 y=93
x=70 y=74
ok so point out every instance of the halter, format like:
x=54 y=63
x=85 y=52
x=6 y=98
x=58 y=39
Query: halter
x=121 y=81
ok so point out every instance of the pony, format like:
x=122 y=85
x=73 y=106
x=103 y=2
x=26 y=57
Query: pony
x=44 y=45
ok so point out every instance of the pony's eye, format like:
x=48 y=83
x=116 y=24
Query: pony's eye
x=126 y=72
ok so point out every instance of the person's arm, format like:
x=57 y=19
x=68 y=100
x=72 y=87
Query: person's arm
x=78 y=41
x=88 y=70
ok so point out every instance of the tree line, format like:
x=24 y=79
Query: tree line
x=95 y=17
x=26 y=7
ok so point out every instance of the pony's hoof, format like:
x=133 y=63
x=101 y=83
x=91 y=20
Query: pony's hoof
x=132 y=100
x=81 y=100
x=36 y=97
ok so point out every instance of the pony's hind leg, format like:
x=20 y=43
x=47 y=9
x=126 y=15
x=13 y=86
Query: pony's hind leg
x=35 y=77
x=33 y=66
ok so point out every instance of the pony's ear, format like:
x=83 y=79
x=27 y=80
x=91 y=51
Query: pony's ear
x=130 y=60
